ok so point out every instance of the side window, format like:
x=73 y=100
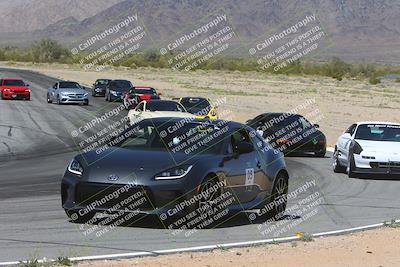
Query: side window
x=55 y=86
x=1 y=82
x=351 y=129
x=239 y=135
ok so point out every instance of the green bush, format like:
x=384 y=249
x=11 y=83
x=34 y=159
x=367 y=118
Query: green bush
x=374 y=80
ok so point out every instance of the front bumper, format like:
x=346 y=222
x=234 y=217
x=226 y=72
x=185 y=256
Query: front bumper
x=99 y=92
x=377 y=164
x=16 y=95
x=73 y=100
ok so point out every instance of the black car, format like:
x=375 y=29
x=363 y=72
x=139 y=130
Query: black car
x=99 y=87
x=174 y=163
x=290 y=133
x=116 y=90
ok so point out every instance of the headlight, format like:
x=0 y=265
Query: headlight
x=75 y=167
x=174 y=173
x=113 y=93
x=28 y=90
x=213 y=113
x=7 y=90
x=86 y=94
x=357 y=149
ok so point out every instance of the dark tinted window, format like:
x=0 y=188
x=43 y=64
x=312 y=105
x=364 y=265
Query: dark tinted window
x=145 y=135
x=145 y=91
x=163 y=106
x=197 y=103
x=351 y=129
x=120 y=84
x=69 y=85
x=14 y=83
x=378 y=132
x=102 y=82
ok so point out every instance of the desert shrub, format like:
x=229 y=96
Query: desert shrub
x=374 y=80
x=48 y=50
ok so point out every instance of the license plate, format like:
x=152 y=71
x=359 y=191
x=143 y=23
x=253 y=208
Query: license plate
x=13 y=96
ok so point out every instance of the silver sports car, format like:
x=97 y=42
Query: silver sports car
x=66 y=92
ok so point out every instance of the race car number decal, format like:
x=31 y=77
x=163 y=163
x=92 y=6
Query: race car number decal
x=249 y=177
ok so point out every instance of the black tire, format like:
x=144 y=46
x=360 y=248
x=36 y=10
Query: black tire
x=337 y=167
x=58 y=100
x=86 y=103
x=279 y=196
x=76 y=218
x=321 y=154
x=350 y=168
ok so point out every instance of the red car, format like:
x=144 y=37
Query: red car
x=14 y=88
x=138 y=94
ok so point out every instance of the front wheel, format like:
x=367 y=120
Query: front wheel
x=337 y=167
x=351 y=167
x=320 y=154
x=279 y=196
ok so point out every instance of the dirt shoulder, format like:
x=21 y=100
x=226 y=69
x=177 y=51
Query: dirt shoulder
x=380 y=247
x=247 y=94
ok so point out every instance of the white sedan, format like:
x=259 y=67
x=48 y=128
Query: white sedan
x=157 y=109
x=369 y=148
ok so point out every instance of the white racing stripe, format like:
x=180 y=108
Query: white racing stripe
x=208 y=247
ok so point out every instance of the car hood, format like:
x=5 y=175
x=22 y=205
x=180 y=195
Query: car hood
x=130 y=165
x=159 y=114
x=16 y=88
x=389 y=148
x=71 y=91
x=199 y=111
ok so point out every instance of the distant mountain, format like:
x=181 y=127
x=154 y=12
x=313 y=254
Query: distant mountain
x=360 y=30
x=30 y=15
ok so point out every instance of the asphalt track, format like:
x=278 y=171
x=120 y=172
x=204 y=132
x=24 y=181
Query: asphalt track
x=36 y=146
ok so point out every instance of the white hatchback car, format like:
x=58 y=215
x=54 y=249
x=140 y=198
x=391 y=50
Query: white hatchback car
x=371 y=148
x=157 y=109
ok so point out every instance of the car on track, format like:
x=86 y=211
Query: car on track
x=200 y=106
x=176 y=163
x=290 y=133
x=67 y=92
x=138 y=94
x=116 y=90
x=157 y=108
x=99 y=87
x=369 y=148
x=14 y=88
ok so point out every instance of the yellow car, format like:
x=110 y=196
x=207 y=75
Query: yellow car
x=199 y=106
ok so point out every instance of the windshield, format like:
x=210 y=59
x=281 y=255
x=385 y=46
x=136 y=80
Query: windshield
x=102 y=82
x=14 y=83
x=174 y=136
x=378 y=132
x=195 y=103
x=143 y=91
x=120 y=84
x=72 y=85
x=164 y=106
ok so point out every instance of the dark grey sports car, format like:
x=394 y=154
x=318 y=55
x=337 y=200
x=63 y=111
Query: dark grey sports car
x=172 y=166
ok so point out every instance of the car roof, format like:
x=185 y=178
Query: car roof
x=11 y=79
x=194 y=97
x=143 y=87
x=377 y=122
x=194 y=120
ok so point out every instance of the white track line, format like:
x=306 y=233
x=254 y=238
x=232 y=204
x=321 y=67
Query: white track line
x=208 y=247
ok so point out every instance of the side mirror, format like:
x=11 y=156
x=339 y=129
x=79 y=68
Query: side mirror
x=244 y=148
x=159 y=94
x=27 y=85
x=347 y=135
x=316 y=126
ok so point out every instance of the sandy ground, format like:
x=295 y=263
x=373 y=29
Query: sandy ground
x=337 y=104
x=372 y=248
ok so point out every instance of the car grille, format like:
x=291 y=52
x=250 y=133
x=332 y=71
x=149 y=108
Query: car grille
x=76 y=96
x=88 y=194
x=386 y=165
